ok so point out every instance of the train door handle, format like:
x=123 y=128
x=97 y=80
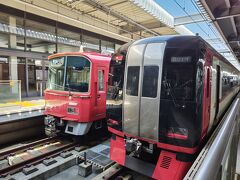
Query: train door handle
x=98 y=96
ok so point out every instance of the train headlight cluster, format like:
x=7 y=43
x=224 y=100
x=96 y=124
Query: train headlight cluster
x=177 y=133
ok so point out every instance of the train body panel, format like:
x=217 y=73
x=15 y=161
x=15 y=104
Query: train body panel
x=61 y=105
x=170 y=110
x=137 y=108
x=223 y=89
x=76 y=93
x=166 y=165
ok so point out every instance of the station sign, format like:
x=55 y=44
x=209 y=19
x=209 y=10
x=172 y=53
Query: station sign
x=57 y=62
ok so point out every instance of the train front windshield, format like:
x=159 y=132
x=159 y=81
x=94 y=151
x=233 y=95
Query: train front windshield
x=181 y=96
x=69 y=73
x=116 y=79
x=115 y=86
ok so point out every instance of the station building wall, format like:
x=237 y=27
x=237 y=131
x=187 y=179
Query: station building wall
x=28 y=35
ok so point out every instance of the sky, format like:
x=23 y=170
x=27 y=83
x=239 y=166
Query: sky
x=178 y=8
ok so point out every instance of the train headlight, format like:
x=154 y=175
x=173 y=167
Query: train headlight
x=177 y=133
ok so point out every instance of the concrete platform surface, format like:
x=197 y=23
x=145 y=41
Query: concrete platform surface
x=21 y=110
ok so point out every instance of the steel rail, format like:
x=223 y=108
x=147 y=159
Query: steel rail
x=35 y=160
x=113 y=175
x=4 y=154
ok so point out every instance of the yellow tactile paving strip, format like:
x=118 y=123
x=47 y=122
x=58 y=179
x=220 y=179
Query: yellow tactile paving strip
x=18 y=107
x=24 y=103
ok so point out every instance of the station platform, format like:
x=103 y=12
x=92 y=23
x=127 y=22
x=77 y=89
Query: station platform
x=30 y=107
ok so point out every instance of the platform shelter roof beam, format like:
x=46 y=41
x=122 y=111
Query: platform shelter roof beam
x=193 y=18
x=225 y=15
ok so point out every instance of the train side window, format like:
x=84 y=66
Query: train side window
x=150 y=81
x=100 y=80
x=132 y=80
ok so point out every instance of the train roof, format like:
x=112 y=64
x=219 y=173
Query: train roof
x=173 y=41
x=90 y=55
x=182 y=41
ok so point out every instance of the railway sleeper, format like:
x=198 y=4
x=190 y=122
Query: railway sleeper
x=29 y=170
x=49 y=161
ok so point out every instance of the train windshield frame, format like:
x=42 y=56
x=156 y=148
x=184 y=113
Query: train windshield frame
x=69 y=73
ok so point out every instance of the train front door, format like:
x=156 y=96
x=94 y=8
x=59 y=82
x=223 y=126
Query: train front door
x=101 y=92
x=142 y=90
x=207 y=95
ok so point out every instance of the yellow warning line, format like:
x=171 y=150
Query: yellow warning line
x=23 y=103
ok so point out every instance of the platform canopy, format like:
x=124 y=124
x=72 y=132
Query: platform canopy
x=135 y=18
x=225 y=15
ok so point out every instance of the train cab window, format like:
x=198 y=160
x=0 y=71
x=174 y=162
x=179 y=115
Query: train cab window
x=56 y=73
x=77 y=74
x=132 y=80
x=177 y=83
x=150 y=81
x=178 y=75
x=100 y=80
x=115 y=81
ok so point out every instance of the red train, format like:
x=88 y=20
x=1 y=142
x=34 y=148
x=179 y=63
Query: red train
x=76 y=93
x=175 y=91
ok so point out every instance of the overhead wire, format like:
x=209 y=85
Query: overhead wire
x=192 y=18
x=213 y=30
x=206 y=20
x=197 y=23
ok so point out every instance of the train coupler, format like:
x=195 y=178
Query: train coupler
x=50 y=126
x=133 y=146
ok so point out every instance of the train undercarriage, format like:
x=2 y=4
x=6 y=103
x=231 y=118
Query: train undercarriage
x=55 y=125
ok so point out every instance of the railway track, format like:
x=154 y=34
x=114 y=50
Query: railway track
x=19 y=149
x=46 y=148
x=51 y=148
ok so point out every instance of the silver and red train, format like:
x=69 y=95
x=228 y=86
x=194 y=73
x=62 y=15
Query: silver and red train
x=164 y=97
x=175 y=91
x=76 y=93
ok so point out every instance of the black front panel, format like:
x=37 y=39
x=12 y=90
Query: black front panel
x=180 y=111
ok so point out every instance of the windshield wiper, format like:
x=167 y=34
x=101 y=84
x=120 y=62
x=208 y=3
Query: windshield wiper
x=56 y=85
x=71 y=89
x=116 y=90
x=168 y=88
x=184 y=84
